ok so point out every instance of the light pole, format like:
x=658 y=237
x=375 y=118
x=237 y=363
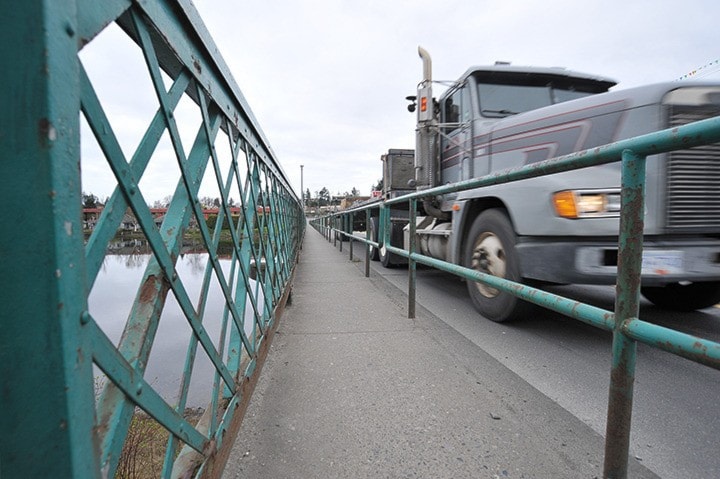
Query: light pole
x=302 y=190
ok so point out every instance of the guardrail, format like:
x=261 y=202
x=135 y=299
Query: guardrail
x=627 y=328
x=52 y=421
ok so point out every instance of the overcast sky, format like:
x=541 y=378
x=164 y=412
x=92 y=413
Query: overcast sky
x=327 y=80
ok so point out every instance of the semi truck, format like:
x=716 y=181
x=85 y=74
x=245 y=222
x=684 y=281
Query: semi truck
x=562 y=228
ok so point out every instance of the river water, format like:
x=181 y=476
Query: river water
x=111 y=300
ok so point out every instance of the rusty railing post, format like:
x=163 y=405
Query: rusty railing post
x=367 y=245
x=617 y=438
x=412 y=266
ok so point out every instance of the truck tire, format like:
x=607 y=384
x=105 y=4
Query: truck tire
x=390 y=260
x=374 y=226
x=683 y=297
x=490 y=248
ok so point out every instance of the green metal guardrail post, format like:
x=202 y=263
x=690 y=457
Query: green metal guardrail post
x=334 y=231
x=47 y=380
x=350 y=238
x=341 y=229
x=384 y=226
x=617 y=438
x=412 y=266
x=367 y=245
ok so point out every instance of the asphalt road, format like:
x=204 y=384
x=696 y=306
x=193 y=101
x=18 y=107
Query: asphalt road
x=676 y=415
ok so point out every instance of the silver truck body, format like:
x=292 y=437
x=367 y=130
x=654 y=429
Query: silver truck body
x=499 y=117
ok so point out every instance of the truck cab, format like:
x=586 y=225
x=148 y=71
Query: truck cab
x=484 y=96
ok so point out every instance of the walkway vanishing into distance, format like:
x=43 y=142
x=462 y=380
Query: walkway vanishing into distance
x=353 y=388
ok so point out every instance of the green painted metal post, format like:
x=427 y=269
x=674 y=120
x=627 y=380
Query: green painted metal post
x=617 y=438
x=333 y=231
x=384 y=226
x=46 y=383
x=368 y=218
x=412 y=266
x=350 y=230
x=341 y=228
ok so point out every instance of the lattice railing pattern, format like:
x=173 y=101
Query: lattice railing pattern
x=228 y=152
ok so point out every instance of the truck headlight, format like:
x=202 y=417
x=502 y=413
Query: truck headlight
x=587 y=203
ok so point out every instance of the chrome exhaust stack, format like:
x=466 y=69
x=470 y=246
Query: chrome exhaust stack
x=426 y=130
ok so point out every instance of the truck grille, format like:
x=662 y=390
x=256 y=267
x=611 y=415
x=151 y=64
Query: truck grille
x=693 y=178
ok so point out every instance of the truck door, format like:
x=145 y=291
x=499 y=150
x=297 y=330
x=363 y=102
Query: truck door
x=456 y=135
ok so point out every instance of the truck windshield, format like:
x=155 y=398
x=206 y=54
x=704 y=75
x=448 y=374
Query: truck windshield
x=503 y=100
x=512 y=94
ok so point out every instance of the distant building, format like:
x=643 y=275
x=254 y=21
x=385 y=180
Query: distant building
x=349 y=201
x=130 y=223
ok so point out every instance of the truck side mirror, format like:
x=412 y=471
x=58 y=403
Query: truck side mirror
x=413 y=105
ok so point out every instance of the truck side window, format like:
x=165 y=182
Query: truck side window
x=452 y=111
x=456 y=108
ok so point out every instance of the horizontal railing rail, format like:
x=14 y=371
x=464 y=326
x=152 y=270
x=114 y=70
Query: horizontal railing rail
x=624 y=322
x=73 y=394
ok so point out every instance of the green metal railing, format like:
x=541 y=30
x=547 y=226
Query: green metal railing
x=624 y=323
x=52 y=421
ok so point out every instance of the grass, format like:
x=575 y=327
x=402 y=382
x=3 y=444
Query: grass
x=143 y=453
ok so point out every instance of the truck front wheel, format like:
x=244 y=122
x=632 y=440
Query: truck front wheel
x=491 y=249
x=374 y=227
x=388 y=259
x=683 y=297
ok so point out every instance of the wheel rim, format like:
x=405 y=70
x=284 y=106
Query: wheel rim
x=489 y=257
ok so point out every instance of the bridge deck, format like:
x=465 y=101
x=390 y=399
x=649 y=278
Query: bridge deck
x=352 y=388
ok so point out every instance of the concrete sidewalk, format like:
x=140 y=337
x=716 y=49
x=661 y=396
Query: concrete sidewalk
x=352 y=388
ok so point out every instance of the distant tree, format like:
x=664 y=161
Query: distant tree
x=206 y=202
x=163 y=203
x=323 y=197
x=378 y=186
x=355 y=192
x=307 y=196
x=211 y=222
x=90 y=201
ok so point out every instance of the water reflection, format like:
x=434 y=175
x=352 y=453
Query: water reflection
x=113 y=295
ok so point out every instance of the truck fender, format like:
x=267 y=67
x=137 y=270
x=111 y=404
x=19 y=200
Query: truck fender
x=459 y=217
